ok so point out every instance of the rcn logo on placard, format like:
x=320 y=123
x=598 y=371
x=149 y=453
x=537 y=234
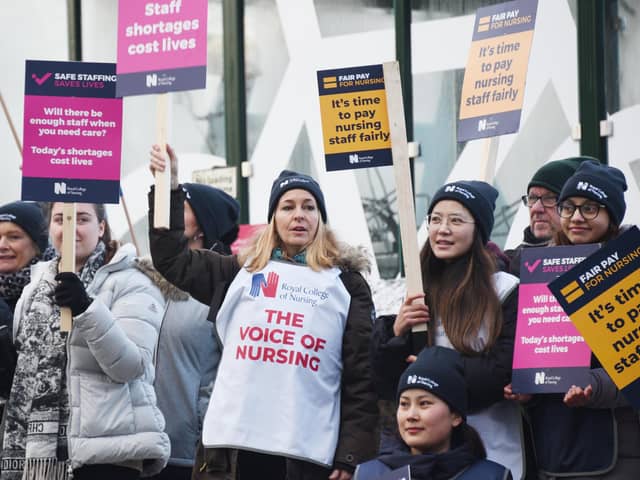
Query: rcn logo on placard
x=152 y=80
x=269 y=286
x=353 y=158
x=539 y=378
x=482 y=125
x=60 y=188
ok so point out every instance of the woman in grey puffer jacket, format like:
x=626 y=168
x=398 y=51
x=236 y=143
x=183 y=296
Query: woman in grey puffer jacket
x=82 y=403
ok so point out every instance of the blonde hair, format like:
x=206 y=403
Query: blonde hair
x=321 y=253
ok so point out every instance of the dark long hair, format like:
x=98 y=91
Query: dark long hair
x=466 y=434
x=112 y=245
x=461 y=294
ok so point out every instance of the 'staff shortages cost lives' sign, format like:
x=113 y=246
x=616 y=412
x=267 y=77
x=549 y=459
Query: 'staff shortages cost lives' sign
x=162 y=46
x=602 y=298
x=494 y=79
x=355 y=122
x=72 y=133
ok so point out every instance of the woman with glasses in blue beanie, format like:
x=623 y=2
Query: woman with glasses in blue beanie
x=591 y=432
x=470 y=306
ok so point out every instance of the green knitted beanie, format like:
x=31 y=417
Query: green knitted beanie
x=553 y=175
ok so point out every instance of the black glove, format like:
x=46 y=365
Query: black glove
x=70 y=292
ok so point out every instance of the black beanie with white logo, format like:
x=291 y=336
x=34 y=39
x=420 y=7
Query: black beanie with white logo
x=602 y=184
x=476 y=196
x=290 y=180
x=440 y=371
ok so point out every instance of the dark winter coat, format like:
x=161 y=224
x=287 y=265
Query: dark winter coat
x=7 y=351
x=515 y=254
x=485 y=374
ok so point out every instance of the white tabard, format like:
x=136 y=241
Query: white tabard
x=278 y=384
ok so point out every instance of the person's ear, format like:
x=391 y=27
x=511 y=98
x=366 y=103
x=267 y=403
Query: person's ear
x=456 y=419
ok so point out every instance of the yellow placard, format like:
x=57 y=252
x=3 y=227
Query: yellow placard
x=611 y=326
x=495 y=75
x=355 y=121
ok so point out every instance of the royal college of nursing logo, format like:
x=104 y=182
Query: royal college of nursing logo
x=269 y=286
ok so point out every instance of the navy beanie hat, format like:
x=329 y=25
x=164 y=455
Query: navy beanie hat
x=289 y=180
x=30 y=218
x=216 y=213
x=438 y=370
x=477 y=197
x=600 y=183
x=553 y=175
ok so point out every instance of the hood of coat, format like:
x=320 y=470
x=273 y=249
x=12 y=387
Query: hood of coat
x=168 y=290
x=353 y=259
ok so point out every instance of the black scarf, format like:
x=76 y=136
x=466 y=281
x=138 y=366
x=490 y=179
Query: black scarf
x=12 y=284
x=440 y=466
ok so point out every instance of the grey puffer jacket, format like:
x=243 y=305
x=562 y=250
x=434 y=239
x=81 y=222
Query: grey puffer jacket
x=186 y=363
x=114 y=417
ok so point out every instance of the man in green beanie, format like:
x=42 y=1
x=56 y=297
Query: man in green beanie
x=541 y=199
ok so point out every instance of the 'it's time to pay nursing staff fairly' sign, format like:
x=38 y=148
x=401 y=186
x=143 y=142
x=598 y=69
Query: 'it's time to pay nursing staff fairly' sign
x=601 y=295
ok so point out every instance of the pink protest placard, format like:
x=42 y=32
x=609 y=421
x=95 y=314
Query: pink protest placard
x=549 y=339
x=162 y=46
x=72 y=133
x=550 y=354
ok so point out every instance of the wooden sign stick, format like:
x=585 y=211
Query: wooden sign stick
x=11 y=126
x=67 y=256
x=162 y=179
x=129 y=223
x=489 y=157
x=404 y=190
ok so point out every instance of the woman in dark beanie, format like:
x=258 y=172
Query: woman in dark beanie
x=293 y=396
x=470 y=306
x=591 y=432
x=433 y=437
x=23 y=242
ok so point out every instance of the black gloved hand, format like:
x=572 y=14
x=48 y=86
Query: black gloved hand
x=70 y=292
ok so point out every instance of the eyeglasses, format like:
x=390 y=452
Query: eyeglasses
x=436 y=221
x=547 y=200
x=589 y=211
